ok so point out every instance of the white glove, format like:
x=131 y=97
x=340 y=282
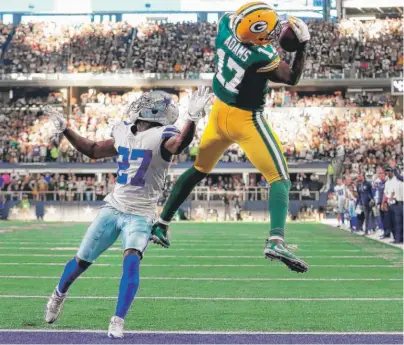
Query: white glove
x=300 y=29
x=197 y=103
x=56 y=117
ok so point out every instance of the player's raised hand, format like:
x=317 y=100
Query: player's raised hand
x=56 y=117
x=197 y=103
x=300 y=28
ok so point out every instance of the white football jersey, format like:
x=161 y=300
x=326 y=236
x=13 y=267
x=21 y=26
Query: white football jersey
x=141 y=169
x=340 y=191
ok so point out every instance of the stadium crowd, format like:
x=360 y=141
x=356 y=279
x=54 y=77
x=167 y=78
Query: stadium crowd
x=369 y=203
x=319 y=127
x=64 y=187
x=90 y=187
x=46 y=47
x=353 y=48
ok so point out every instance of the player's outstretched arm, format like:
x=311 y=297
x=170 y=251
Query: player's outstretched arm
x=290 y=74
x=196 y=110
x=176 y=144
x=92 y=149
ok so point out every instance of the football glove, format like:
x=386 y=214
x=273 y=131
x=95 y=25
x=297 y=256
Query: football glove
x=197 y=103
x=56 y=117
x=160 y=234
x=300 y=29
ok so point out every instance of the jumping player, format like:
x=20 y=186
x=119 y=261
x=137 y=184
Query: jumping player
x=144 y=148
x=245 y=63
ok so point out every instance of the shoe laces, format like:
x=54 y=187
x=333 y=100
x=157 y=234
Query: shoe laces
x=56 y=301
x=116 y=322
x=290 y=247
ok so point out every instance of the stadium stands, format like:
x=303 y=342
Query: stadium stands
x=363 y=129
x=353 y=49
x=317 y=127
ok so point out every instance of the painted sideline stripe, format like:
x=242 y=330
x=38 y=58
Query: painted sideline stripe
x=47 y=330
x=212 y=279
x=185 y=298
x=181 y=265
x=209 y=256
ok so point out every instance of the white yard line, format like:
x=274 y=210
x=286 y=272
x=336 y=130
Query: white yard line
x=203 y=256
x=243 y=241
x=47 y=330
x=210 y=279
x=75 y=246
x=218 y=279
x=187 y=298
x=214 y=246
x=180 y=265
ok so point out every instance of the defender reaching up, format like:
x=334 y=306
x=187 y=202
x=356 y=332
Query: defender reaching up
x=144 y=148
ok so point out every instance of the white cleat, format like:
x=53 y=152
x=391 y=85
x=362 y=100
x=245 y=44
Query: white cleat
x=115 y=329
x=54 y=306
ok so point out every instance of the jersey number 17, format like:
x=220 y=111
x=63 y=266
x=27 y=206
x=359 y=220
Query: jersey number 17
x=232 y=65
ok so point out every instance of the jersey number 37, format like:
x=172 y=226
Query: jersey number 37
x=142 y=158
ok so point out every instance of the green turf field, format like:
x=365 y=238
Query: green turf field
x=213 y=278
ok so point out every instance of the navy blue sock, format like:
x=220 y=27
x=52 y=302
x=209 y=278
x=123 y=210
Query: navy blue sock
x=342 y=218
x=129 y=284
x=70 y=274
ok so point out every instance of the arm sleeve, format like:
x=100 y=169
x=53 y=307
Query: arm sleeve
x=399 y=177
x=273 y=65
x=370 y=191
x=386 y=190
x=359 y=200
x=168 y=132
x=271 y=59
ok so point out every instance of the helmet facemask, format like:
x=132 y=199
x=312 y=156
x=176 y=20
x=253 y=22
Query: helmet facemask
x=155 y=106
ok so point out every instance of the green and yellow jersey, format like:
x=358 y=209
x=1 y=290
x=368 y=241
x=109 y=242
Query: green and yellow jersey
x=240 y=78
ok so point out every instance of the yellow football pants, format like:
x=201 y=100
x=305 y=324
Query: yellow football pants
x=248 y=129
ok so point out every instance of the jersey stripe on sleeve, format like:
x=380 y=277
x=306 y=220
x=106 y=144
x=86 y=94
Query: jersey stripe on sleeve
x=273 y=65
x=169 y=132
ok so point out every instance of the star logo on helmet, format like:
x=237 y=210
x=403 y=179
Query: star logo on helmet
x=167 y=101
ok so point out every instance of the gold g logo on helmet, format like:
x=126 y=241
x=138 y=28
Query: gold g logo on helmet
x=259 y=27
x=255 y=23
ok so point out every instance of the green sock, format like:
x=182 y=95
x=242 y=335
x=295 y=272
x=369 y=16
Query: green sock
x=182 y=188
x=278 y=208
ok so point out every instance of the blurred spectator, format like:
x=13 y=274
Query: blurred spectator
x=5 y=31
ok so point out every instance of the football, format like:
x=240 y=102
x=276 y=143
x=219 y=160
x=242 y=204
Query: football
x=288 y=40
